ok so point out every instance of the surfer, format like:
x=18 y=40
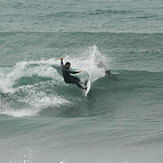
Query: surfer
x=66 y=74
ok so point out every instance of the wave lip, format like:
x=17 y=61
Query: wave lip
x=10 y=76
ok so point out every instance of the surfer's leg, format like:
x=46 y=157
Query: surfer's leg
x=79 y=85
x=75 y=78
x=72 y=81
x=78 y=80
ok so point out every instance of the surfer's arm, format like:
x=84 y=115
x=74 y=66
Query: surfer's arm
x=61 y=61
x=72 y=72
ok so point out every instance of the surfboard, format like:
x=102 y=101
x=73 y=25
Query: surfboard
x=88 y=85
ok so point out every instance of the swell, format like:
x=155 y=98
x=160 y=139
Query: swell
x=106 y=40
x=157 y=35
x=101 y=12
x=72 y=14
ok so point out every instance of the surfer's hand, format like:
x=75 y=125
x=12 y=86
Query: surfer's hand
x=80 y=71
x=61 y=58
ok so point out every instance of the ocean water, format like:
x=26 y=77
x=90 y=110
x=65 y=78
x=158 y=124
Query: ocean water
x=45 y=120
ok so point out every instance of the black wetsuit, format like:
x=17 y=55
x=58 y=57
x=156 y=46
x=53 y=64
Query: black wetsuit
x=68 y=78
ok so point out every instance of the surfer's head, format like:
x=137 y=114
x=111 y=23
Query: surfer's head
x=68 y=64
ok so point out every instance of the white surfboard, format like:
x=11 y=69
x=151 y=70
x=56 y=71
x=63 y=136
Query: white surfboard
x=88 y=85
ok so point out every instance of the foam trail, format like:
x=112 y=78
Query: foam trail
x=31 y=104
x=32 y=110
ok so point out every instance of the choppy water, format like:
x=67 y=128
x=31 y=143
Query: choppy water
x=43 y=119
